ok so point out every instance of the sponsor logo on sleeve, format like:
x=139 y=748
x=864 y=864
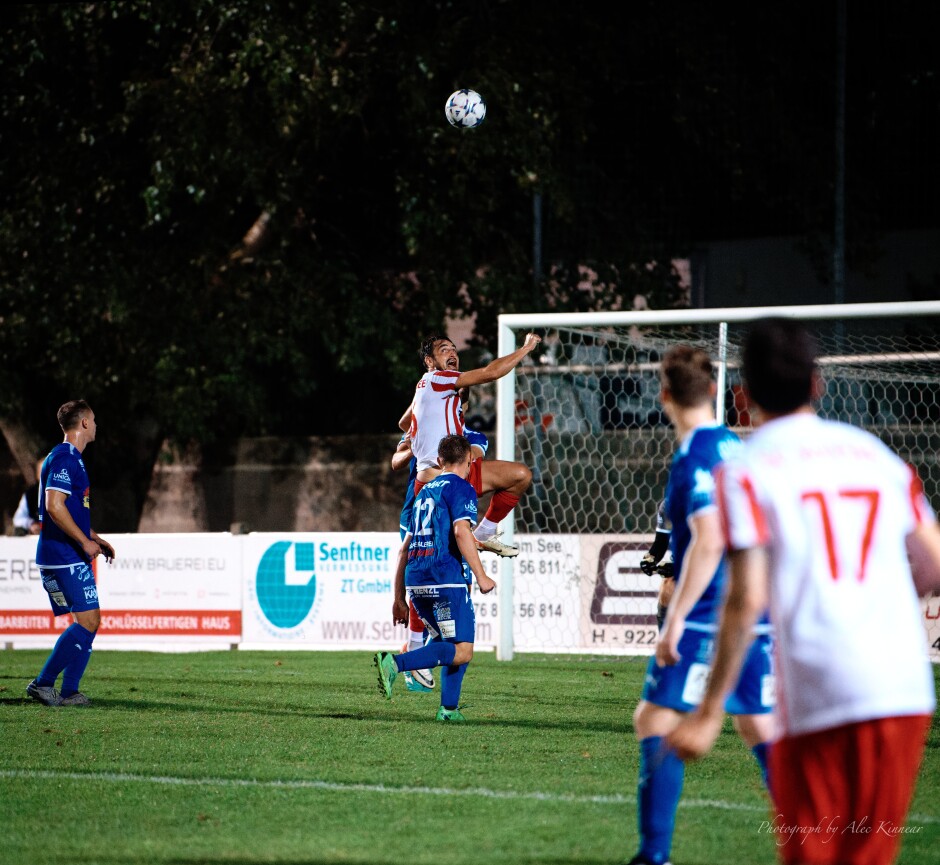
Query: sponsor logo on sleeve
x=704 y=482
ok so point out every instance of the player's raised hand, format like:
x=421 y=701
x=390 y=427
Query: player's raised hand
x=531 y=341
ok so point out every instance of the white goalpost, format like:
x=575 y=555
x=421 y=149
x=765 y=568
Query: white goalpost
x=582 y=413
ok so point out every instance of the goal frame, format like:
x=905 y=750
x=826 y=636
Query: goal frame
x=510 y=323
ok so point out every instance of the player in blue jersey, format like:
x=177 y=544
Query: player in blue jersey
x=677 y=674
x=67 y=546
x=436 y=563
x=421 y=680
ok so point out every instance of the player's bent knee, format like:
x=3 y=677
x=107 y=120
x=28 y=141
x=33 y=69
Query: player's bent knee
x=463 y=654
x=90 y=620
x=650 y=719
x=523 y=476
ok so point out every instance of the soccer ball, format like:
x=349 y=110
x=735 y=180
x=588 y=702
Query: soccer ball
x=465 y=109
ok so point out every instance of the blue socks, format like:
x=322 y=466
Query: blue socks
x=75 y=669
x=451 y=682
x=760 y=754
x=661 y=777
x=71 y=653
x=437 y=653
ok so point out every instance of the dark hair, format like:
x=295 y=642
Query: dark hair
x=452 y=449
x=427 y=347
x=687 y=373
x=70 y=415
x=779 y=361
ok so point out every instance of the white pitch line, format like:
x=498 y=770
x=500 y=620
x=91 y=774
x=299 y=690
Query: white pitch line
x=339 y=787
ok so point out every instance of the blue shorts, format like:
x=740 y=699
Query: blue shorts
x=447 y=612
x=71 y=588
x=681 y=687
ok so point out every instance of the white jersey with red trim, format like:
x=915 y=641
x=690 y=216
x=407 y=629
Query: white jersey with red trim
x=833 y=506
x=436 y=412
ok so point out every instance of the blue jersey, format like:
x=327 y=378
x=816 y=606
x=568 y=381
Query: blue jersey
x=433 y=555
x=691 y=490
x=404 y=520
x=64 y=471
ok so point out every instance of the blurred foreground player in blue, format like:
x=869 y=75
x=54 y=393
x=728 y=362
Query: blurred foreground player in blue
x=677 y=674
x=421 y=680
x=436 y=563
x=67 y=545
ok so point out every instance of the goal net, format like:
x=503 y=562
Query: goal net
x=583 y=414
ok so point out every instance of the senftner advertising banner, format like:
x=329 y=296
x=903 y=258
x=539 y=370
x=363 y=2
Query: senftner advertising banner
x=319 y=590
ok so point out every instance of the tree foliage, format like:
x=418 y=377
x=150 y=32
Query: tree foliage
x=224 y=217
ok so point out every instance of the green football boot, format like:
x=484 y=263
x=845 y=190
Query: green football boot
x=452 y=715
x=388 y=672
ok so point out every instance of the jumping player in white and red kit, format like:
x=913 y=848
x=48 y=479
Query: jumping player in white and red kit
x=436 y=412
x=820 y=520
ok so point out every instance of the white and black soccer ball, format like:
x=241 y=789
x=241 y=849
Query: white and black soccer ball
x=465 y=109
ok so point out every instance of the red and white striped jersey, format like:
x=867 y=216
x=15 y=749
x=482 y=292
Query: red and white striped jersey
x=436 y=412
x=833 y=506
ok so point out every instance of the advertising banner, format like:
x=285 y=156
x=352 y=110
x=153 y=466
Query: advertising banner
x=335 y=591
x=618 y=600
x=24 y=604
x=159 y=588
x=320 y=590
x=546 y=592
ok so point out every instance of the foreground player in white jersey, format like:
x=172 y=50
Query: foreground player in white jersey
x=436 y=412
x=817 y=515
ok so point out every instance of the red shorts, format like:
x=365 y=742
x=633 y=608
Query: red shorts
x=475 y=477
x=842 y=794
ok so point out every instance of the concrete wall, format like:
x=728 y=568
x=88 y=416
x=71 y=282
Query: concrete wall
x=279 y=484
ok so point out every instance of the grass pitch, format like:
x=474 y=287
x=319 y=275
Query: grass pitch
x=260 y=757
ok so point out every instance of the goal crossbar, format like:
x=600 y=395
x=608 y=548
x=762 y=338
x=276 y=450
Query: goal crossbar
x=515 y=323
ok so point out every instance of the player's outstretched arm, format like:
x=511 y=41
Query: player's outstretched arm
x=747 y=598
x=467 y=544
x=498 y=368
